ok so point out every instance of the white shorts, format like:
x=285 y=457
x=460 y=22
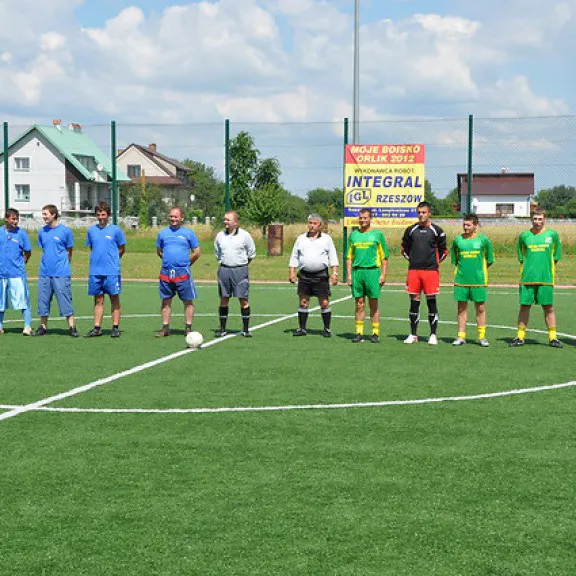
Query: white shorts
x=14 y=294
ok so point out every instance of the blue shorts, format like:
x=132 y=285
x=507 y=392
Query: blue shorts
x=14 y=294
x=59 y=286
x=98 y=285
x=179 y=282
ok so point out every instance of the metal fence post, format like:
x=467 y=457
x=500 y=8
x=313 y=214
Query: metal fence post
x=470 y=171
x=227 y=205
x=114 y=173
x=345 y=231
x=6 y=175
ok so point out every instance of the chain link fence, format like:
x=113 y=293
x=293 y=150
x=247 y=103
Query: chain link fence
x=173 y=163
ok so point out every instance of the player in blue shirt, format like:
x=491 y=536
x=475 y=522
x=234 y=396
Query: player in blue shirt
x=107 y=245
x=57 y=243
x=15 y=250
x=179 y=249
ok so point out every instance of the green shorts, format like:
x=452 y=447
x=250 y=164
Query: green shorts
x=541 y=294
x=466 y=293
x=366 y=282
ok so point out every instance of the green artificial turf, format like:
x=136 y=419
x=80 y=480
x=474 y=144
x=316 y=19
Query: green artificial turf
x=477 y=487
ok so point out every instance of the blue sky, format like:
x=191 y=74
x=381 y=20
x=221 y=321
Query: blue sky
x=290 y=61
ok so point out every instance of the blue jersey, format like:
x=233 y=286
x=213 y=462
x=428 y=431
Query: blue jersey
x=176 y=244
x=13 y=244
x=104 y=244
x=55 y=243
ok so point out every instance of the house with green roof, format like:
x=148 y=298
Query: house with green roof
x=57 y=165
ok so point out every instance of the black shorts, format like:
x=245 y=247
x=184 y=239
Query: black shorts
x=314 y=283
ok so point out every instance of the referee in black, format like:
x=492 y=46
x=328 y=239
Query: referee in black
x=313 y=255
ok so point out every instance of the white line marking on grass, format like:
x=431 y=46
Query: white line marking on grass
x=282 y=316
x=78 y=390
x=288 y=407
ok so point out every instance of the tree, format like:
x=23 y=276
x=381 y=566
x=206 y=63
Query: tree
x=143 y=220
x=452 y=201
x=243 y=168
x=439 y=206
x=208 y=191
x=130 y=204
x=555 y=199
x=296 y=209
x=267 y=173
x=266 y=205
x=328 y=203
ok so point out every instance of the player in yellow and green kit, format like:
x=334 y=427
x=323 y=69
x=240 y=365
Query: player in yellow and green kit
x=366 y=263
x=472 y=255
x=539 y=251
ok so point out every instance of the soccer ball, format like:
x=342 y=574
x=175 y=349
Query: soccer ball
x=194 y=339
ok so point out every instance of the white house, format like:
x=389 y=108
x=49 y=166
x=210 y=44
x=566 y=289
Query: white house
x=57 y=165
x=498 y=194
x=145 y=162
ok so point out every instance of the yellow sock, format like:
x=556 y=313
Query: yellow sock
x=522 y=331
x=481 y=332
x=376 y=328
x=551 y=332
x=359 y=326
x=462 y=335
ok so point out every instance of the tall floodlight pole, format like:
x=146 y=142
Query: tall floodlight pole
x=356 y=107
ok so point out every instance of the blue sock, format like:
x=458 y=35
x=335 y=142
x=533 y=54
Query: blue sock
x=27 y=317
x=1 y=320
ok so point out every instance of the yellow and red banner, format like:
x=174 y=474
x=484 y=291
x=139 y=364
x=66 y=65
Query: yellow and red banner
x=387 y=178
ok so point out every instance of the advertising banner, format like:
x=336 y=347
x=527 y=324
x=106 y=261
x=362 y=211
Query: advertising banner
x=387 y=178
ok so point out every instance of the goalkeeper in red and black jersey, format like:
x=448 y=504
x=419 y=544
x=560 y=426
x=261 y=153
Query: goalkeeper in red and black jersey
x=424 y=246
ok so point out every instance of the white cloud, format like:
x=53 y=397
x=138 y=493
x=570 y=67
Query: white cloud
x=514 y=97
x=278 y=60
x=52 y=41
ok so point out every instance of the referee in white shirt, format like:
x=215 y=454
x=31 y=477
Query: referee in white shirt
x=313 y=255
x=234 y=249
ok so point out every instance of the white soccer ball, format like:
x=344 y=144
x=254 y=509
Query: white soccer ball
x=194 y=339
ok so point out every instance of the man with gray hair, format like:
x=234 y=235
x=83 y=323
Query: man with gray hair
x=234 y=249
x=313 y=254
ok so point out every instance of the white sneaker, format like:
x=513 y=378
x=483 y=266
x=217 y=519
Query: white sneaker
x=484 y=343
x=459 y=342
x=411 y=339
x=433 y=340
x=27 y=331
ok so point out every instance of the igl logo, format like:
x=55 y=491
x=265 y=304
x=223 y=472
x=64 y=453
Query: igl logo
x=359 y=196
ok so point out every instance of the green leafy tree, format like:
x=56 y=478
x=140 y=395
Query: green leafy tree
x=243 y=169
x=554 y=200
x=296 y=209
x=266 y=205
x=268 y=173
x=157 y=206
x=208 y=191
x=452 y=202
x=143 y=215
x=439 y=206
x=329 y=203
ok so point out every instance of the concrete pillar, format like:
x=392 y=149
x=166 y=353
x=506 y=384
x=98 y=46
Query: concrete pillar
x=77 y=195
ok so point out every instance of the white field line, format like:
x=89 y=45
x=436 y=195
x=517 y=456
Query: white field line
x=253 y=315
x=102 y=381
x=296 y=406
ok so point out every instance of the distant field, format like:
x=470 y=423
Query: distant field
x=141 y=261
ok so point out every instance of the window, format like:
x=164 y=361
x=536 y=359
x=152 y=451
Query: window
x=502 y=209
x=22 y=164
x=134 y=170
x=87 y=161
x=22 y=193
